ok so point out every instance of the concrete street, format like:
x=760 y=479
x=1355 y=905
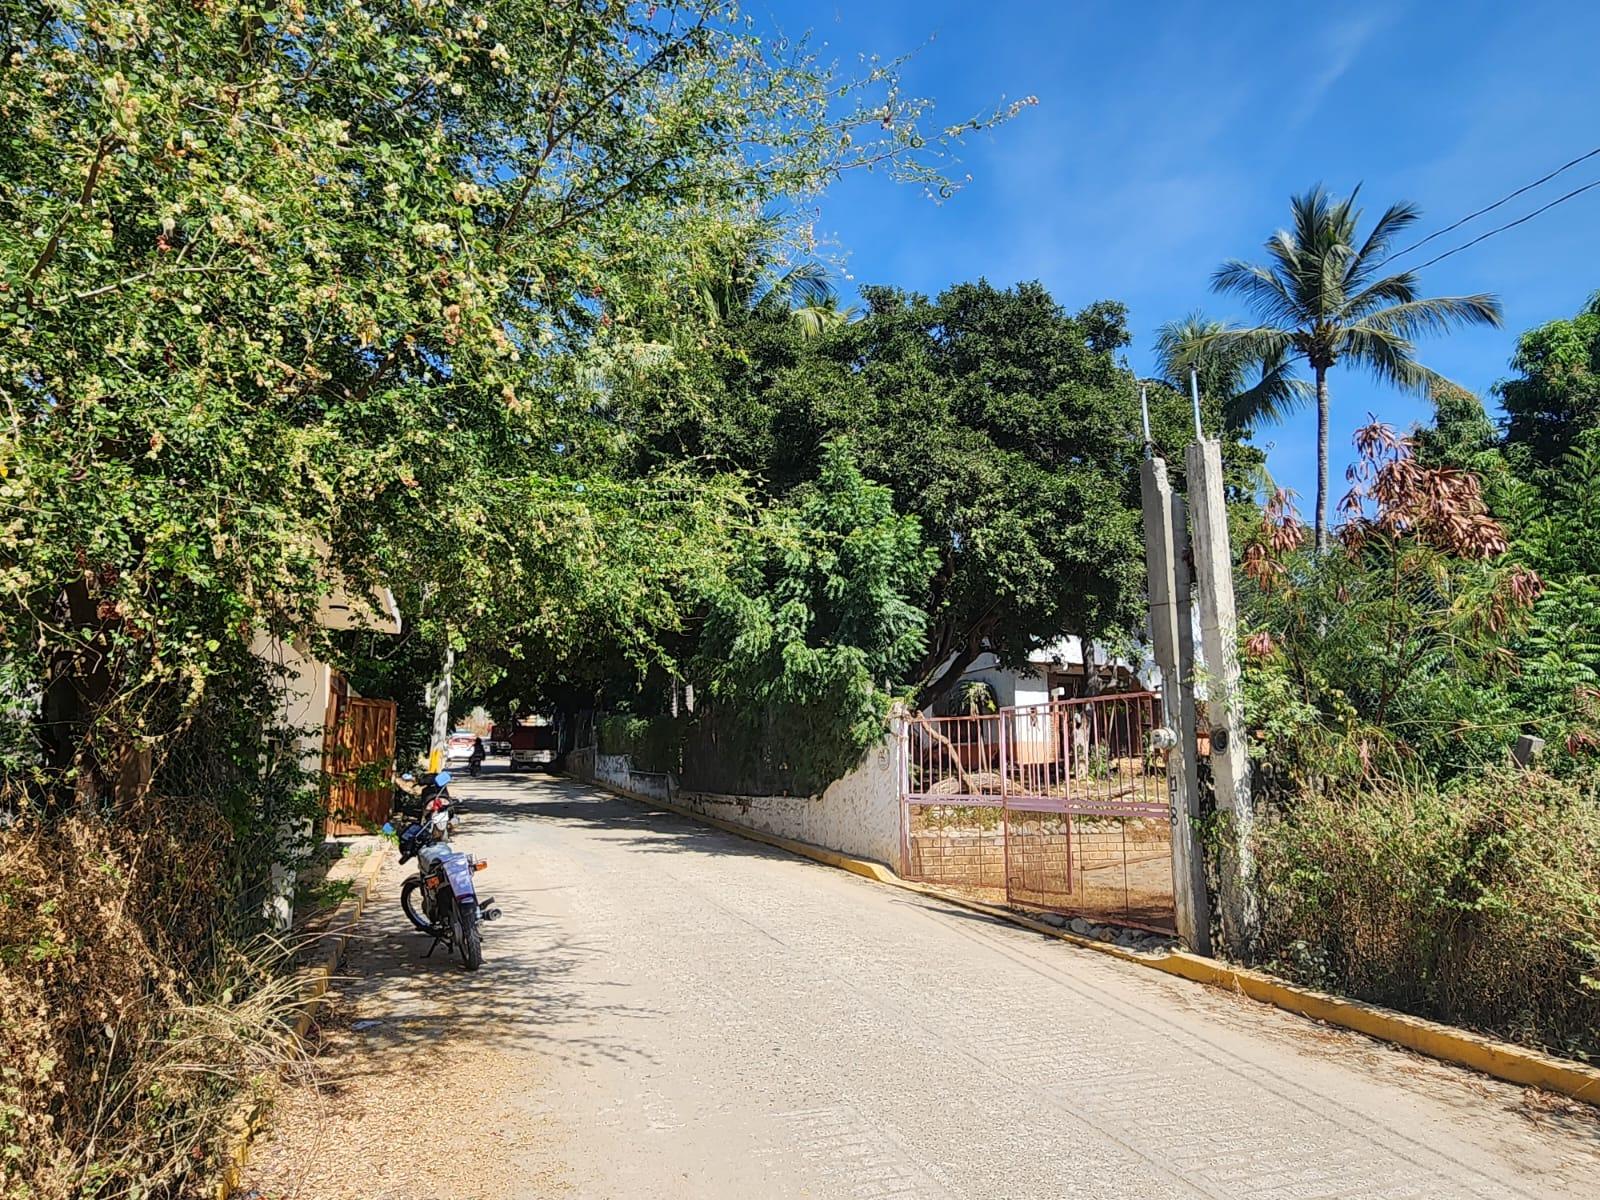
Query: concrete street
x=669 y=1011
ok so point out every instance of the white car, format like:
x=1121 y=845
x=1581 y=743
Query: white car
x=458 y=748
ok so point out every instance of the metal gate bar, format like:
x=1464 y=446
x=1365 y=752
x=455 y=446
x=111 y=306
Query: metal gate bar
x=1060 y=806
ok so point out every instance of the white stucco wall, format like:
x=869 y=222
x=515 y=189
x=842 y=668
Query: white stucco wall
x=304 y=707
x=305 y=694
x=612 y=769
x=857 y=815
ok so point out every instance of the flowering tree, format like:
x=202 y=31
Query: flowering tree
x=299 y=290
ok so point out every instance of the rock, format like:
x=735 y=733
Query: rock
x=1055 y=919
x=1081 y=927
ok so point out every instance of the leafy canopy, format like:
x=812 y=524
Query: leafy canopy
x=309 y=290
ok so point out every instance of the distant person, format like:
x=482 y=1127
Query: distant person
x=475 y=760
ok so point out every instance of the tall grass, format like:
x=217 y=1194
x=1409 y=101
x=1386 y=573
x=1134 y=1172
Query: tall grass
x=131 y=1025
x=1478 y=904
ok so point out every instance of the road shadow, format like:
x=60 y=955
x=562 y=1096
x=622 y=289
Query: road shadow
x=397 y=1000
x=639 y=826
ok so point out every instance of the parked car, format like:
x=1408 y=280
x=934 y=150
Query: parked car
x=499 y=741
x=459 y=747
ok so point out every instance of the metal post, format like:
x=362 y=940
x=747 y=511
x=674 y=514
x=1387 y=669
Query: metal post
x=1219 y=633
x=1192 y=909
x=1006 y=718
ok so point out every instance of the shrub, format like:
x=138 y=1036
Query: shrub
x=1478 y=905
x=654 y=744
x=130 y=1024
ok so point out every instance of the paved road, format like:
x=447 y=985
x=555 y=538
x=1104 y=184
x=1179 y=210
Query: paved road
x=669 y=1011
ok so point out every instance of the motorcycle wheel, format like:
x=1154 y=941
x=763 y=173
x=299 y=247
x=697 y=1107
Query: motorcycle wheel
x=469 y=945
x=411 y=902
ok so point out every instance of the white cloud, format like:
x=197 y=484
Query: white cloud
x=1336 y=50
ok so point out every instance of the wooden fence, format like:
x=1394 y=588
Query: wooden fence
x=359 y=734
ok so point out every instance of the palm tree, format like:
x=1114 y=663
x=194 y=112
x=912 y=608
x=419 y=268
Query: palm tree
x=751 y=284
x=1253 y=393
x=1321 y=300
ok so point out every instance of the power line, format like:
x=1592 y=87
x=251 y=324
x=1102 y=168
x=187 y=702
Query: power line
x=1472 y=216
x=1509 y=225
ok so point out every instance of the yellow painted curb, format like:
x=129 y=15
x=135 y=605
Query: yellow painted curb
x=248 y=1122
x=1503 y=1060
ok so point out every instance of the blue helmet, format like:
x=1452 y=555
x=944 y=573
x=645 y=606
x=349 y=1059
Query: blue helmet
x=442 y=779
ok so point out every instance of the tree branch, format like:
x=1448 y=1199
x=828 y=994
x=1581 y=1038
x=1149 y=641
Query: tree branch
x=552 y=139
x=54 y=244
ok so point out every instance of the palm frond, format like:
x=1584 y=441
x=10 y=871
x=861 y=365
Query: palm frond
x=1262 y=288
x=1434 y=314
x=802 y=284
x=1175 y=344
x=1388 y=356
x=1269 y=401
x=815 y=319
x=1263 y=343
x=1395 y=219
x=1391 y=289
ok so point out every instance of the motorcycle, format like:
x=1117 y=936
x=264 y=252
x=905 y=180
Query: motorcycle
x=418 y=800
x=441 y=899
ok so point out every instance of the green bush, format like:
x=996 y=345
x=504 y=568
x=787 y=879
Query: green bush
x=652 y=743
x=1479 y=905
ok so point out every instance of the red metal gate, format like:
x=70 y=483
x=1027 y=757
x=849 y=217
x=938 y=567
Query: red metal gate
x=1060 y=806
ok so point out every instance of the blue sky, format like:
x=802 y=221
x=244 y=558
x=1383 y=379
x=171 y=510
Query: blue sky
x=1169 y=136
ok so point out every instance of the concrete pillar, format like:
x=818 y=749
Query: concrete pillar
x=1219 y=639
x=1183 y=610
x=1169 y=617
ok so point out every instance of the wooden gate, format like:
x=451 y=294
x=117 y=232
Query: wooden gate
x=357 y=762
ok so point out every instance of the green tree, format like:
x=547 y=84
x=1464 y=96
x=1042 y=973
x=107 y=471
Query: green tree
x=294 y=295
x=1008 y=429
x=800 y=649
x=1556 y=399
x=1322 y=299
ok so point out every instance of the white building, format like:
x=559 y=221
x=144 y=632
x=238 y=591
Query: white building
x=1055 y=672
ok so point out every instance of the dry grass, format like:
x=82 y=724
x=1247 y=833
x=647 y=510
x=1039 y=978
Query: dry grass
x=131 y=1028
x=1480 y=906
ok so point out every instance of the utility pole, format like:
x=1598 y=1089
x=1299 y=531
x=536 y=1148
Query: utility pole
x=1219 y=636
x=1168 y=570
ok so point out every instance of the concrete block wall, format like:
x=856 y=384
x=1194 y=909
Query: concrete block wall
x=857 y=815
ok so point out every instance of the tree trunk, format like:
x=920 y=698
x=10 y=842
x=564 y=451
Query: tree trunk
x=1322 y=460
x=932 y=689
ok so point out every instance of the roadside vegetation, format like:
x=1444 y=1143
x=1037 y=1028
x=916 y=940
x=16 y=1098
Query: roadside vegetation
x=1405 y=856
x=509 y=310
x=315 y=295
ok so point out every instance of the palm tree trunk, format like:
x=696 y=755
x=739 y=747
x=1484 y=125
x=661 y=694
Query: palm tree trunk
x=1322 y=459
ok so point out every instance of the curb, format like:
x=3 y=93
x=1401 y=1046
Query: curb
x=1502 y=1060
x=248 y=1122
